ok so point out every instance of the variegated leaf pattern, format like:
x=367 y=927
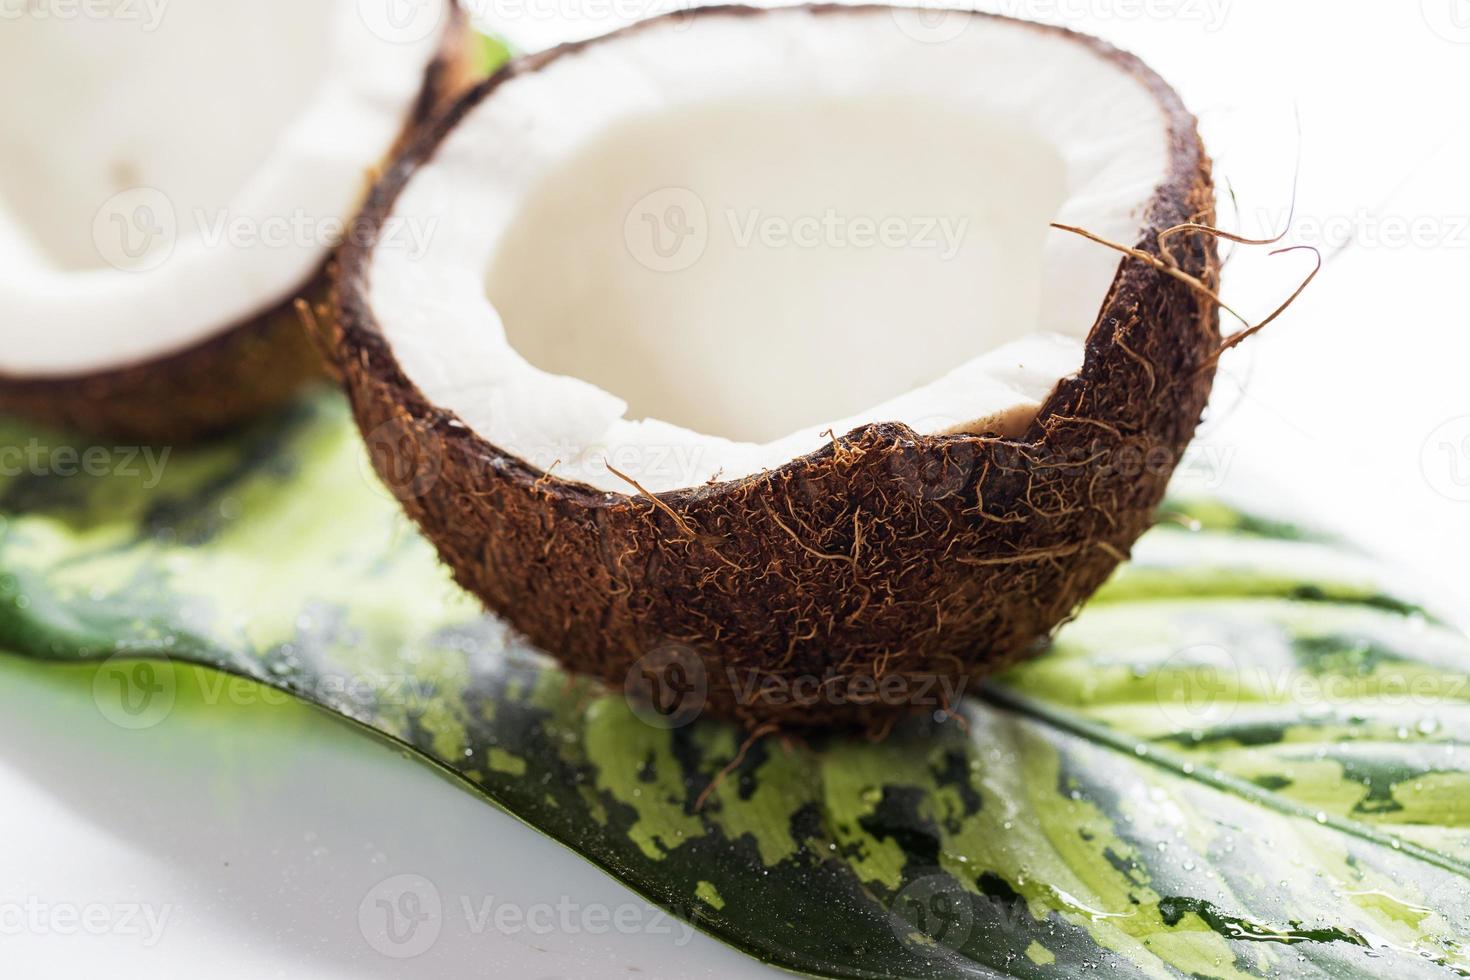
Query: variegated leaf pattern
x=1246 y=758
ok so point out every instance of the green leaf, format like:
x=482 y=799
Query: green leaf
x=1244 y=760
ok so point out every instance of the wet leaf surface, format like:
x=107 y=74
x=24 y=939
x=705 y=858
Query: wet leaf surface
x=1245 y=759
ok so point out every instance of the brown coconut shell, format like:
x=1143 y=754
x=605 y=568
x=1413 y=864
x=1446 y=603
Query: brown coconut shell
x=875 y=577
x=243 y=370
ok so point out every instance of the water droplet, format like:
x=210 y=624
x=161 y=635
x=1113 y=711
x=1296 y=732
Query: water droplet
x=1427 y=726
x=1321 y=817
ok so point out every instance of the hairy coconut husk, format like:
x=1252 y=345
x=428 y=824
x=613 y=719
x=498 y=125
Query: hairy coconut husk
x=239 y=372
x=875 y=577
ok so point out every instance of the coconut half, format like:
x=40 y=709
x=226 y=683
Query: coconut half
x=170 y=187
x=744 y=348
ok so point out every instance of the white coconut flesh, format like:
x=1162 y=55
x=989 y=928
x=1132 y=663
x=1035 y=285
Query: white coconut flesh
x=696 y=251
x=239 y=137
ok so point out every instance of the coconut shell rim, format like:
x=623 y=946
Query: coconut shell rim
x=53 y=398
x=359 y=331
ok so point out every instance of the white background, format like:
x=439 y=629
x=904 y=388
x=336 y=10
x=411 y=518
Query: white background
x=258 y=830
